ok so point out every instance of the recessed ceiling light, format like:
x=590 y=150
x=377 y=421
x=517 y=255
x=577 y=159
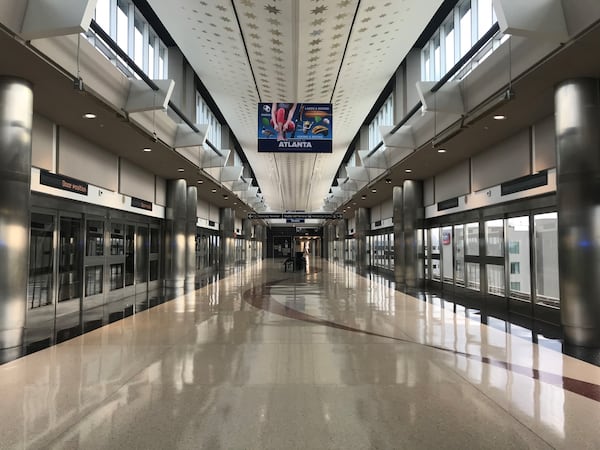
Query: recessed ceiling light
x=89 y=116
x=200 y=181
x=363 y=197
x=373 y=190
x=499 y=117
x=442 y=150
x=225 y=196
x=408 y=170
x=181 y=169
x=235 y=203
x=213 y=190
x=147 y=149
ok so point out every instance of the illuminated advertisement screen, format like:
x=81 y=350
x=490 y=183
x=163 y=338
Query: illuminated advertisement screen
x=295 y=127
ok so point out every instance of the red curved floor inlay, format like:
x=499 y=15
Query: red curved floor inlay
x=261 y=298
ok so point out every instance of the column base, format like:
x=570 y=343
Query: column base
x=582 y=337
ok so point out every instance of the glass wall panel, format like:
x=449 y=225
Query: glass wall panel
x=93 y=280
x=41 y=261
x=473 y=276
x=129 y=255
x=102 y=15
x=141 y=271
x=472 y=247
x=546 y=259
x=426 y=253
x=116 y=276
x=495 y=279
x=485 y=17
x=518 y=257
x=95 y=238
x=391 y=250
x=436 y=268
x=449 y=48
x=122 y=25
x=459 y=255
x=117 y=239
x=465 y=28
x=447 y=259
x=69 y=259
x=494 y=237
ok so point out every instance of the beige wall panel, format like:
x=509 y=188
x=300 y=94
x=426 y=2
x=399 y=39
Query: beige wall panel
x=544 y=146
x=42 y=143
x=505 y=161
x=202 y=210
x=81 y=159
x=135 y=181
x=453 y=182
x=428 y=192
x=387 y=209
x=160 y=191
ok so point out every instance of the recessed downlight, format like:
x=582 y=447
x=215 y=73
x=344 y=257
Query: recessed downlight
x=200 y=181
x=181 y=169
x=373 y=190
x=408 y=170
x=147 y=149
x=441 y=150
x=213 y=190
x=499 y=117
x=363 y=197
x=89 y=116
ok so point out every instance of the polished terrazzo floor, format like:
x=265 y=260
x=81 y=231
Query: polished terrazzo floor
x=327 y=359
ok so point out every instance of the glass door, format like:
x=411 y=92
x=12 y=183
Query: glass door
x=117 y=294
x=142 y=255
x=70 y=274
x=94 y=273
x=39 y=328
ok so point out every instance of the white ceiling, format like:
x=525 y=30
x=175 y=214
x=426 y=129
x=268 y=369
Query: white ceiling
x=338 y=51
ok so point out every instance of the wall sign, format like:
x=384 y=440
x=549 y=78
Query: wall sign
x=62 y=182
x=142 y=204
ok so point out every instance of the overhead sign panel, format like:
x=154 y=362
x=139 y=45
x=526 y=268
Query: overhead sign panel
x=295 y=216
x=295 y=127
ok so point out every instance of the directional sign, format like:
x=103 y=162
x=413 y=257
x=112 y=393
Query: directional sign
x=295 y=216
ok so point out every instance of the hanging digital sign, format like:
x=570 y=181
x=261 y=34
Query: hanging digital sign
x=295 y=127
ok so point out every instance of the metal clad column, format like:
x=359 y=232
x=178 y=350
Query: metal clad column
x=399 y=256
x=190 y=237
x=412 y=195
x=175 y=237
x=16 y=115
x=363 y=225
x=227 y=229
x=577 y=115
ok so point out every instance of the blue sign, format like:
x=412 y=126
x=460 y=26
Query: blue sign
x=295 y=127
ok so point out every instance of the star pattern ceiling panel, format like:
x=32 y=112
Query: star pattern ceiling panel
x=246 y=51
